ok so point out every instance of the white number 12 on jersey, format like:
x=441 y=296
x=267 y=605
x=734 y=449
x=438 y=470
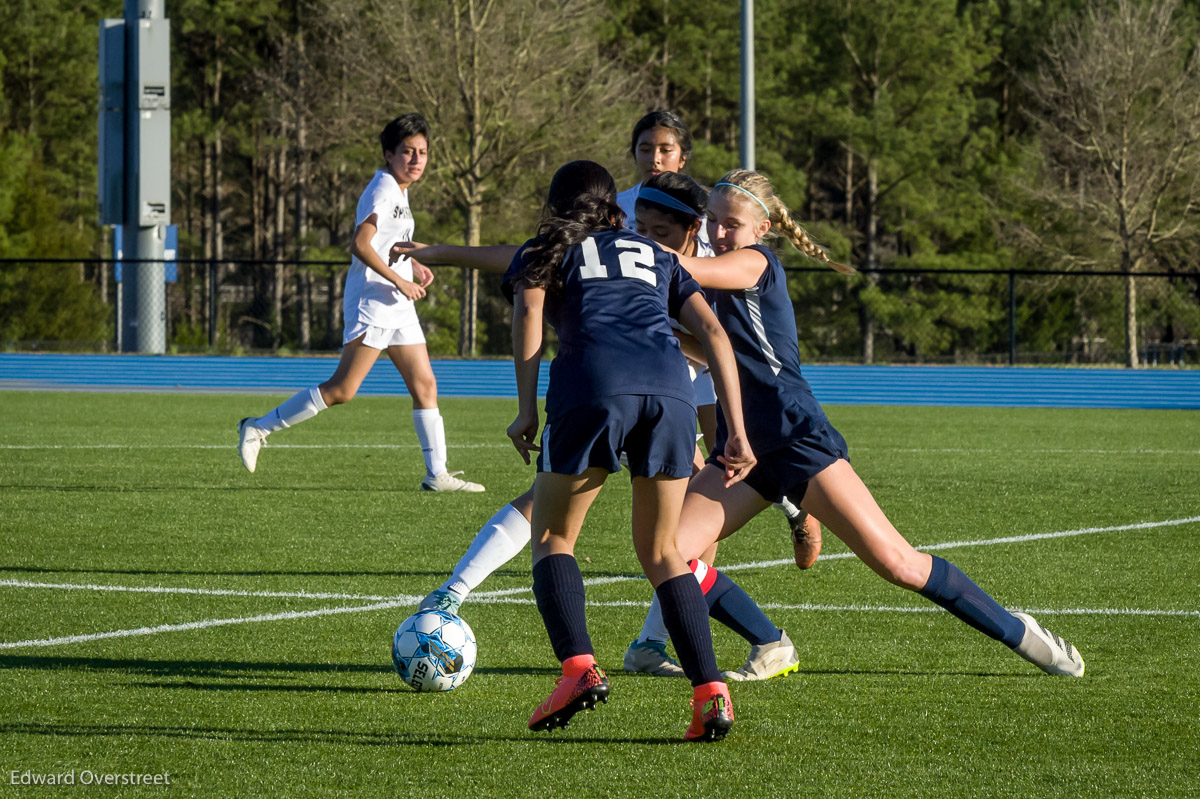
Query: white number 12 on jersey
x=638 y=253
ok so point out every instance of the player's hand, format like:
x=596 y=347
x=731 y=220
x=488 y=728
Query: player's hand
x=404 y=249
x=409 y=289
x=422 y=273
x=523 y=432
x=737 y=459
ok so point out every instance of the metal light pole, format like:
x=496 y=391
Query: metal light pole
x=747 y=143
x=135 y=163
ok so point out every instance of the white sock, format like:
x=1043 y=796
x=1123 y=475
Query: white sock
x=432 y=435
x=496 y=543
x=654 y=628
x=789 y=510
x=304 y=405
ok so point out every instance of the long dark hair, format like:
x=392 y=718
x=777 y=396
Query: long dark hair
x=582 y=200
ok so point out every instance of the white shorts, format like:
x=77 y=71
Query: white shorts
x=702 y=385
x=380 y=338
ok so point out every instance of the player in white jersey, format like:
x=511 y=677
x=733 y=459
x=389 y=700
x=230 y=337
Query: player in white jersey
x=379 y=313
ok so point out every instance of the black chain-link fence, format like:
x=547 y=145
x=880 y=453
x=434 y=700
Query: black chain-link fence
x=888 y=316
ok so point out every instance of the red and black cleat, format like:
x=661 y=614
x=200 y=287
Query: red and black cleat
x=571 y=694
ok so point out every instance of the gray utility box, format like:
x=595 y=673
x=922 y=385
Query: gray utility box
x=135 y=127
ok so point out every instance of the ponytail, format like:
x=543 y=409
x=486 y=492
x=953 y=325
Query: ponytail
x=767 y=204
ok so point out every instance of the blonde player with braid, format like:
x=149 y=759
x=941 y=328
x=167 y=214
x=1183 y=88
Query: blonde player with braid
x=800 y=454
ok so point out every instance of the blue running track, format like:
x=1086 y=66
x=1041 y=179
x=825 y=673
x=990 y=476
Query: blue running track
x=833 y=385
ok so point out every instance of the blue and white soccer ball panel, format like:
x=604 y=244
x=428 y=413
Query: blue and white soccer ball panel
x=434 y=650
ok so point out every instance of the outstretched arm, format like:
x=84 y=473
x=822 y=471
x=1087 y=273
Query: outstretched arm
x=737 y=269
x=494 y=258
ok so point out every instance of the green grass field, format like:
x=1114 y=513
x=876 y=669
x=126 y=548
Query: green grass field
x=136 y=491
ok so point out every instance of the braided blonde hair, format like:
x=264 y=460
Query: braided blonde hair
x=769 y=206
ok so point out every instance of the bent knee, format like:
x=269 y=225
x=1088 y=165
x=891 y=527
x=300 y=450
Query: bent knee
x=336 y=395
x=904 y=571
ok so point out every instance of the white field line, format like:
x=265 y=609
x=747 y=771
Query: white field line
x=507 y=595
x=506 y=444
x=199 y=625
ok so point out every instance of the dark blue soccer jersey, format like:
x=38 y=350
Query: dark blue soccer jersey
x=611 y=317
x=777 y=402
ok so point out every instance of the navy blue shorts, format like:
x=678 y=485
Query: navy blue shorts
x=785 y=472
x=657 y=435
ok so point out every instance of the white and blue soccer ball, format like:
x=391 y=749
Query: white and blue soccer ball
x=434 y=650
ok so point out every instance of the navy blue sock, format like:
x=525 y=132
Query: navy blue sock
x=954 y=591
x=686 y=616
x=558 y=588
x=733 y=607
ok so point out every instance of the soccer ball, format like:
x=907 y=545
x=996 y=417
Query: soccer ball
x=434 y=650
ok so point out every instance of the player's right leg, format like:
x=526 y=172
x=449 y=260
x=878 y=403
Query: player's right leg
x=497 y=542
x=411 y=359
x=356 y=361
x=560 y=506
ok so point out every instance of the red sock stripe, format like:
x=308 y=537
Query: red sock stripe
x=706 y=574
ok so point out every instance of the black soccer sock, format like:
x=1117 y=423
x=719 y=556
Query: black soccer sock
x=949 y=587
x=686 y=616
x=733 y=607
x=558 y=588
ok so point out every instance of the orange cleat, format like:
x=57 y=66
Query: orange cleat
x=712 y=712
x=806 y=540
x=581 y=687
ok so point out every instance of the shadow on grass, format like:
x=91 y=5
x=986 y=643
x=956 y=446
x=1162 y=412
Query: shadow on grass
x=225 y=668
x=422 y=738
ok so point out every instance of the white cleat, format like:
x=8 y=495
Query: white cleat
x=1047 y=651
x=449 y=481
x=650 y=657
x=767 y=661
x=250 y=441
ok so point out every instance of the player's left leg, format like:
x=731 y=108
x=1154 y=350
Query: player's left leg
x=657 y=502
x=711 y=512
x=845 y=505
x=648 y=652
x=412 y=361
x=560 y=505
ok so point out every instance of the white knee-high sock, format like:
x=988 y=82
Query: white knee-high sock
x=303 y=405
x=432 y=435
x=496 y=543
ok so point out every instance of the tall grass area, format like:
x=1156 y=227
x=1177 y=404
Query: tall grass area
x=136 y=491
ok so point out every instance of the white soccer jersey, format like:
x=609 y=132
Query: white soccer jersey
x=369 y=298
x=628 y=198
